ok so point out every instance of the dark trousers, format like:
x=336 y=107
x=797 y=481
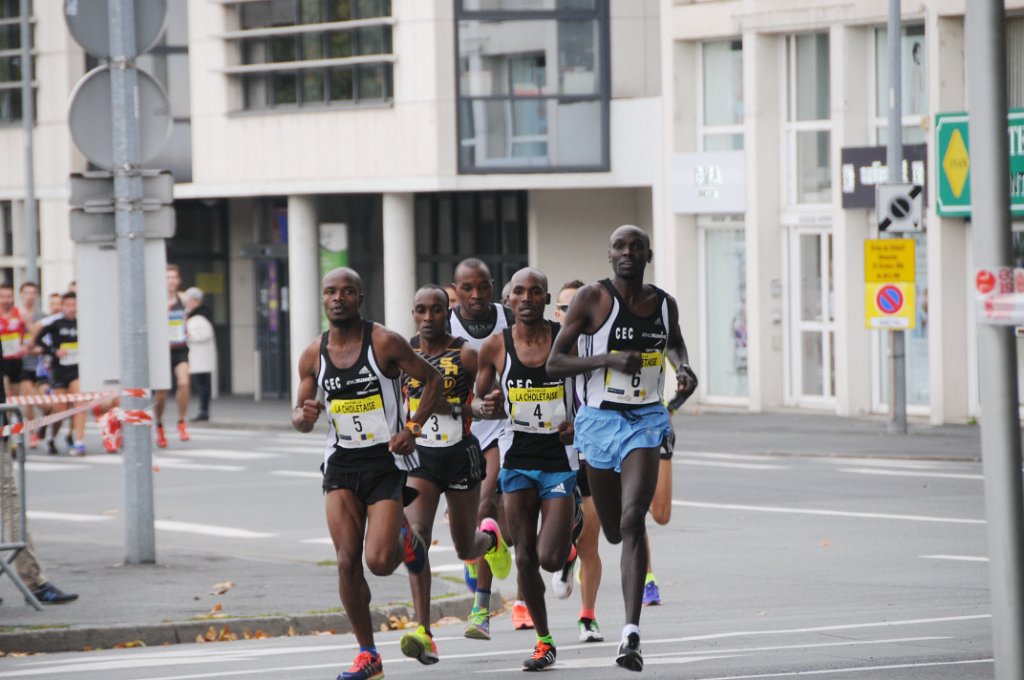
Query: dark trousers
x=201 y=388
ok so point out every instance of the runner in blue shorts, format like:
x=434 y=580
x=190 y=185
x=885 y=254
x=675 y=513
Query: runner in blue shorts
x=538 y=470
x=623 y=330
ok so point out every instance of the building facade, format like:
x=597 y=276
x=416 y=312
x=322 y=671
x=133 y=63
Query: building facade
x=775 y=114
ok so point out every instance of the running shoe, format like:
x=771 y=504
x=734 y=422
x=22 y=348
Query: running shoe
x=589 y=631
x=420 y=646
x=561 y=581
x=543 y=657
x=469 y=574
x=521 y=619
x=183 y=431
x=652 y=596
x=77 y=450
x=367 y=666
x=629 y=654
x=498 y=556
x=33 y=440
x=51 y=447
x=415 y=552
x=161 y=438
x=478 y=626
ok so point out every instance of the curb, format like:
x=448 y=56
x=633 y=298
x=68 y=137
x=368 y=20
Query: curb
x=80 y=638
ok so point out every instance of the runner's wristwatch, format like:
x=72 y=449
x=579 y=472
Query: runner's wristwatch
x=414 y=427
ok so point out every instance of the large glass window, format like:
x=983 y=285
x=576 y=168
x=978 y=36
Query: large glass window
x=913 y=69
x=532 y=85
x=722 y=92
x=10 y=61
x=453 y=226
x=808 y=124
x=726 y=304
x=296 y=53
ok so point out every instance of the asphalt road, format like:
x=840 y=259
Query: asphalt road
x=772 y=567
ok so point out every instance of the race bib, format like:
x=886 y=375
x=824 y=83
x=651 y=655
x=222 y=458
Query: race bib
x=635 y=388
x=176 y=327
x=439 y=430
x=11 y=343
x=537 y=409
x=360 y=422
x=70 y=357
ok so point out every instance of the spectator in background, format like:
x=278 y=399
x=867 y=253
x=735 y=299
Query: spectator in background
x=202 y=352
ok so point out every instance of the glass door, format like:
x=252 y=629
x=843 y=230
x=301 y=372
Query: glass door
x=812 y=329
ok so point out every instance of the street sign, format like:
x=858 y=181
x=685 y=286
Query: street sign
x=91 y=113
x=889 y=259
x=89 y=23
x=862 y=168
x=953 y=161
x=88 y=226
x=898 y=207
x=889 y=305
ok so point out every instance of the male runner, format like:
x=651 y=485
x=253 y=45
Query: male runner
x=587 y=543
x=538 y=471
x=179 y=360
x=476 y=318
x=60 y=341
x=13 y=328
x=30 y=314
x=623 y=328
x=358 y=365
x=450 y=463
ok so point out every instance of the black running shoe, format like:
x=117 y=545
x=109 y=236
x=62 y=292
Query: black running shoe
x=543 y=657
x=629 y=654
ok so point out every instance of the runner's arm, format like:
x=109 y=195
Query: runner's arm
x=486 y=405
x=308 y=407
x=563 y=361
x=398 y=353
x=686 y=379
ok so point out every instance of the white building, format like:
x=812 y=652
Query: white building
x=769 y=264
x=410 y=133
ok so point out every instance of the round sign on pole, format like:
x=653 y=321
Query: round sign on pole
x=91 y=114
x=89 y=23
x=984 y=281
x=889 y=299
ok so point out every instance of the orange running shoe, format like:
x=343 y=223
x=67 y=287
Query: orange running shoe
x=161 y=438
x=183 y=431
x=521 y=619
x=33 y=440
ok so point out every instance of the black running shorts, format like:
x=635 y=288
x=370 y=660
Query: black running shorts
x=453 y=468
x=369 y=486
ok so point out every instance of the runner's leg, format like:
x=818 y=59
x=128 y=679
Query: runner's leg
x=638 y=480
x=346 y=521
x=522 y=509
x=421 y=513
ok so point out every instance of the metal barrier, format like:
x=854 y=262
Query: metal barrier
x=13 y=535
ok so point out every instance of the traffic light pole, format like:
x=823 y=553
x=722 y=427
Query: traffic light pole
x=894 y=159
x=985 y=39
x=140 y=543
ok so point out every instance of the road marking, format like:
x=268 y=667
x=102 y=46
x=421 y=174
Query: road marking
x=825 y=513
x=208 y=529
x=738 y=466
x=750 y=458
x=958 y=558
x=297 y=473
x=908 y=473
x=225 y=454
x=67 y=516
x=885 y=462
x=33 y=466
x=853 y=669
x=170 y=463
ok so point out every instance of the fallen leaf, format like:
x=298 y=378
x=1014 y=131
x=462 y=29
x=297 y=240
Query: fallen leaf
x=210 y=635
x=20 y=654
x=291 y=631
x=332 y=631
x=200 y=638
x=195 y=598
x=825 y=543
x=129 y=645
x=447 y=621
x=221 y=588
x=384 y=628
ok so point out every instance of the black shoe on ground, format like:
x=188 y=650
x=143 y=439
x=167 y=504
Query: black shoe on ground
x=629 y=654
x=202 y=417
x=51 y=447
x=51 y=594
x=543 y=657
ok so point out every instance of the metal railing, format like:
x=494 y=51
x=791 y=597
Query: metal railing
x=13 y=528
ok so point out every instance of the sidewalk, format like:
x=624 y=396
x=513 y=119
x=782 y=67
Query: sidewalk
x=172 y=602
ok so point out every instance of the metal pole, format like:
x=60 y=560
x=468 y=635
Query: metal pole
x=140 y=541
x=985 y=43
x=894 y=159
x=28 y=119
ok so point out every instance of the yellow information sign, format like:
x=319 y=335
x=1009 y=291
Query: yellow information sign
x=889 y=260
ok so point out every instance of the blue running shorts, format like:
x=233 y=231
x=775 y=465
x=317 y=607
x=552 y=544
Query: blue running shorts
x=548 y=484
x=607 y=436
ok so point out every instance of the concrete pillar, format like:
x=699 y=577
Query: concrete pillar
x=303 y=279
x=762 y=89
x=850 y=115
x=399 y=262
x=950 y=310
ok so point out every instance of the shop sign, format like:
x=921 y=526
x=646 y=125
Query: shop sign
x=708 y=183
x=862 y=167
x=953 y=163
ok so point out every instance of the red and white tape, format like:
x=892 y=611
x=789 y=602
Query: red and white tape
x=48 y=399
